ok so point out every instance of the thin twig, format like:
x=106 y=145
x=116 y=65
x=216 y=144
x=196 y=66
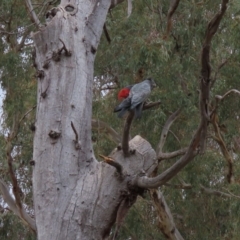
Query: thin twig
x=105 y=128
x=27 y=113
x=151 y=105
x=165 y=131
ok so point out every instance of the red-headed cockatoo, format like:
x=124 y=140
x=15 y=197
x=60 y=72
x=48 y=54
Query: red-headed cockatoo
x=137 y=96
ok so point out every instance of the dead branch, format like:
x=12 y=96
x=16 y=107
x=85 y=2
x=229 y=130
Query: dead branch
x=165 y=130
x=198 y=141
x=114 y=3
x=13 y=207
x=165 y=156
x=217 y=71
x=233 y=195
x=127 y=125
x=172 y=8
x=126 y=130
x=221 y=98
x=16 y=189
x=32 y=13
x=113 y=163
x=165 y=218
x=151 y=105
x=216 y=192
x=105 y=128
x=219 y=139
x=179 y=186
x=27 y=113
x=206 y=71
x=106 y=33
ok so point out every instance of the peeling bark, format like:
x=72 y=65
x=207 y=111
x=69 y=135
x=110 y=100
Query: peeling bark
x=165 y=218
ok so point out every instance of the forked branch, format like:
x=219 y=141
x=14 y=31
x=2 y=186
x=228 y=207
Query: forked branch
x=21 y=213
x=198 y=142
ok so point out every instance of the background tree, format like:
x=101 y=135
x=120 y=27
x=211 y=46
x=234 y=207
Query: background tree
x=158 y=40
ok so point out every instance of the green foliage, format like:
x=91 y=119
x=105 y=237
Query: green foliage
x=140 y=42
x=174 y=62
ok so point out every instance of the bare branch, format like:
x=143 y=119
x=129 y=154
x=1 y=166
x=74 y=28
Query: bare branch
x=105 y=128
x=146 y=182
x=219 y=139
x=233 y=195
x=221 y=98
x=217 y=193
x=179 y=186
x=106 y=33
x=32 y=13
x=27 y=113
x=114 y=3
x=165 y=130
x=165 y=218
x=165 y=156
x=151 y=105
x=206 y=71
x=172 y=8
x=125 y=138
x=113 y=163
x=13 y=207
x=217 y=71
x=129 y=7
x=16 y=189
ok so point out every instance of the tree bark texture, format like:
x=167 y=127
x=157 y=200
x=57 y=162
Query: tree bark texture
x=75 y=196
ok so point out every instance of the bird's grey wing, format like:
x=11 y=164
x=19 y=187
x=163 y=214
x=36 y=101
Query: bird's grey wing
x=139 y=93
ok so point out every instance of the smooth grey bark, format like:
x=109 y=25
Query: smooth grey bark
x=75 y=196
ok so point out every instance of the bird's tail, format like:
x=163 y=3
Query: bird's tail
x=138 y=110
x=123 y=107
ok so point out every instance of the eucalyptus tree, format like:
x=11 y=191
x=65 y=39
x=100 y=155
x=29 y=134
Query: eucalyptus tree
x=75 y=195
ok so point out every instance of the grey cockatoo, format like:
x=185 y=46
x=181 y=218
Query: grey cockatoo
x=137 y=96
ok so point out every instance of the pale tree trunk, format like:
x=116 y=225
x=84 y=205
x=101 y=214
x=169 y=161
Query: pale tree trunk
x=75 y=197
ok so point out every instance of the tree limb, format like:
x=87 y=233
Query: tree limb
x=164 y=156
x=105 y=128
x=165 y=218
x=114 y=3
x=172 y=8
x=113 y=163
x=217 y=71
x=217 y=193
x=127 y=125
x=21 y=213
x=126 y=129
x=221 y=98
x=219 y=139
x=151 y=105
x=32 y=13
x=165 y=130
x=198 y=141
